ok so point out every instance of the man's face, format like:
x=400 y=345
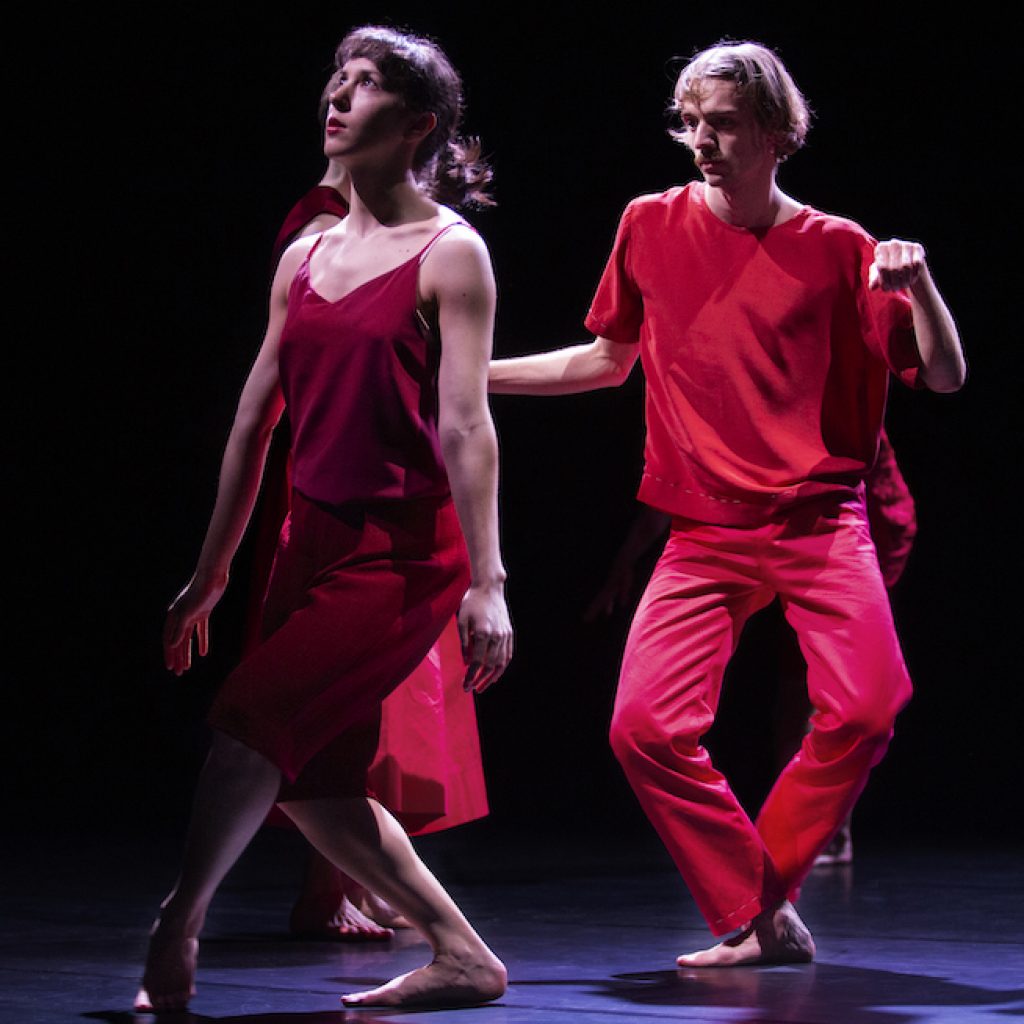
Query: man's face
x=729 y=147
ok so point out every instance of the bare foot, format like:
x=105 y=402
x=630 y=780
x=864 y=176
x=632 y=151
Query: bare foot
x=345 y=924
x=839 y=850
x=168 y=981
x=448 y=981
x=376 y=908
x=775 y=936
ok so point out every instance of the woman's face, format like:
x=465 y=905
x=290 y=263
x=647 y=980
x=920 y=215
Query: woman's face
x=362 y=115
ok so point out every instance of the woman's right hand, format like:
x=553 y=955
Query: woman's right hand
x=188 y=616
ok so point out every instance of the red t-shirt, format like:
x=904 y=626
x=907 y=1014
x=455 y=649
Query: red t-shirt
x=766 y=356
x=892 y=515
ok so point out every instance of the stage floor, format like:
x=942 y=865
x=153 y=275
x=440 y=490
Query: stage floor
x=589 y=931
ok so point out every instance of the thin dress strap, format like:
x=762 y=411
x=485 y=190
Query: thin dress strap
x=425 y=326
x=424 y=252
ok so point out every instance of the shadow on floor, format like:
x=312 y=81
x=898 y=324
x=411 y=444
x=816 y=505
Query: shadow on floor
x=854 y=995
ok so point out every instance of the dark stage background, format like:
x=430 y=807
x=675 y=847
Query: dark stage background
x=168 y=148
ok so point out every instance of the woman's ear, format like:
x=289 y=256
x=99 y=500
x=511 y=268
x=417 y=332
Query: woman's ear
x=422 y=125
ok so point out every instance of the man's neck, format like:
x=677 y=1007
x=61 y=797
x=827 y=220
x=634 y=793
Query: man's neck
x=755 y=209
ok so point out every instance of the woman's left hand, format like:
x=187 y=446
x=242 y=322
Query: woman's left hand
x=486 y=633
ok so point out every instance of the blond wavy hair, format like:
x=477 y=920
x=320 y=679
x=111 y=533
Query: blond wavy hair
x=763 y=83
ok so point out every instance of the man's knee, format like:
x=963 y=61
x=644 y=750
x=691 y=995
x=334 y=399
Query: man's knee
x=624 y=735
x=640 y=735
x=869 y=717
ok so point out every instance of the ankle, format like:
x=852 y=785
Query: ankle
x=179 y=918
x=460 y=949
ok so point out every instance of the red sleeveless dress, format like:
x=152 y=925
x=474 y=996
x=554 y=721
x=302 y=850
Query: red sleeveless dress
x=275 y=495
x=370 y=568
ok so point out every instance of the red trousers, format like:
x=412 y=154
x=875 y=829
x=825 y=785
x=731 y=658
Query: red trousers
x=357 y=598
x=822 y=565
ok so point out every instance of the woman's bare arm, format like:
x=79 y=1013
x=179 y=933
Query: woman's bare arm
x=259 y=409
x=457 y=275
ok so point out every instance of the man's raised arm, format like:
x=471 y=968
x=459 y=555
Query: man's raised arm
x=899 y=265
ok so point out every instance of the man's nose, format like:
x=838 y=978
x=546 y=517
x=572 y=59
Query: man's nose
x=703 y=136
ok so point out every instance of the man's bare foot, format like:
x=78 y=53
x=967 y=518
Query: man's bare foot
x=448 y=981
x=775 y=936
x=345 y=924
x=168 y=981
x=376 y=908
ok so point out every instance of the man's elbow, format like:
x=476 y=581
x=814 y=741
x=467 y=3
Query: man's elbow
x=619 y=374
x=946 y=380
x=616 y=362
x=946 y=387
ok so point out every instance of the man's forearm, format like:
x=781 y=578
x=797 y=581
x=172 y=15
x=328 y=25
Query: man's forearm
x=564 y=371
x=944 y=368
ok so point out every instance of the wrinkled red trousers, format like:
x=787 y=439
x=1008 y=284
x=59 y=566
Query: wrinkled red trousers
x=822 y=565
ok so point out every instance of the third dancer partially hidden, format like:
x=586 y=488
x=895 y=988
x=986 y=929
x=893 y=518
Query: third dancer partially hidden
x=767 y=332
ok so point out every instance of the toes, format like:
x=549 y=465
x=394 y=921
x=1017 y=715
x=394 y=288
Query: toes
x=371 y=997
x=146 y=1003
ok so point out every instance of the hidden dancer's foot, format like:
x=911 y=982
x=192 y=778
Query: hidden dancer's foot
x=839 y=851
x=314 y=920
x=376 y=908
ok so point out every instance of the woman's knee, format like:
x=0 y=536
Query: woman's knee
x=232 y=754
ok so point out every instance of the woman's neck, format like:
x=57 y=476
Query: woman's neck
x=377 y=200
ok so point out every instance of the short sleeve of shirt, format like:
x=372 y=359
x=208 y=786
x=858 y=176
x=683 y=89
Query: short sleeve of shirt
x=618 y=309
x=888 y=324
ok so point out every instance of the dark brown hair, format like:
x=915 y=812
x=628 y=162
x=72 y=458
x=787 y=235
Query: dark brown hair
x=448 y=167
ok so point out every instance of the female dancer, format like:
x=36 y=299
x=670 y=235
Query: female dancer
x=427 y=770
x=374 y=563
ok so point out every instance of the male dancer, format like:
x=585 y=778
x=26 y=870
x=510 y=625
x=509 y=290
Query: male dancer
x=767 y=331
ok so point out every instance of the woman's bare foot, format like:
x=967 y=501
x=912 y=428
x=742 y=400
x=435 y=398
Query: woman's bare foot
x=375 y=907
x=449 y=980
x=775 y=936
x=311 y=919
x=168 y=980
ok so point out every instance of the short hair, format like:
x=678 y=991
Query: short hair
x=448 y=167
x=761 y=80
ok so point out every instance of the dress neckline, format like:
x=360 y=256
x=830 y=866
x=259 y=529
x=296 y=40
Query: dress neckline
x=417 y=256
